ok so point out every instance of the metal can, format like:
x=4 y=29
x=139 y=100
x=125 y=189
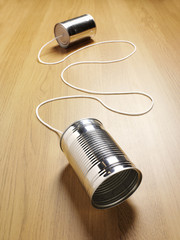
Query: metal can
x=101 y=165
x=75 y=29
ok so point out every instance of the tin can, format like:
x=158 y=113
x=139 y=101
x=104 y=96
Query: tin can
x=75 y=29
x=101 y=165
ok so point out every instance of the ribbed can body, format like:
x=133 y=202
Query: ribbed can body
x=75 y=29
x=103 y=168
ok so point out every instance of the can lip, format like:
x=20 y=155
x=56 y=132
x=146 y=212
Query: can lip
x=95 y=26
x=82 y=119
x=83 y=15
x=91 y=17
x=117 y=202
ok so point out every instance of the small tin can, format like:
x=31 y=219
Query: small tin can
x=101 y=165
x=75 y=29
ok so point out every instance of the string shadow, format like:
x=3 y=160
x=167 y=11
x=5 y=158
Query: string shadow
x=113 y=223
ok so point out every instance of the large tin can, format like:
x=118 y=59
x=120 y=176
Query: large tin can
x=101 y=165
x=75 y=29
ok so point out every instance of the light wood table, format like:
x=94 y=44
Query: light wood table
x=40 y=195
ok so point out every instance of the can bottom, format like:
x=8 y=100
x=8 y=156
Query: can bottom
x=62 y=35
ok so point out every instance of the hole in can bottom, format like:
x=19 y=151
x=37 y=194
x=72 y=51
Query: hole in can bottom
x=116 y=188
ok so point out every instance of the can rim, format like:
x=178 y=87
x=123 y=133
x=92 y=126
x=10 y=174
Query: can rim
x=95 y=26
x=113 y=204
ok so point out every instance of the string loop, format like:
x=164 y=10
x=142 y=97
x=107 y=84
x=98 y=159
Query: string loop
x=90 y=91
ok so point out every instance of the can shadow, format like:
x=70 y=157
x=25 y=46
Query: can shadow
x=59 y=51
x=73 y=47
x=113 y=223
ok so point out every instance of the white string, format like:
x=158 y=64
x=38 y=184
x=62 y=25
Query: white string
x=86 y=90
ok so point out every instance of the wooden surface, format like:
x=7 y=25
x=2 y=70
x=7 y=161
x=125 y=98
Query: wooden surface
x=40 y=195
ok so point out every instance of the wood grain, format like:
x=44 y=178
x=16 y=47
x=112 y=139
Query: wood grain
x=41 y=197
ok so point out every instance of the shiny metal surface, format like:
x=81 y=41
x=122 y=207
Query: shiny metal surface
x=75 y=29
x=103 y=168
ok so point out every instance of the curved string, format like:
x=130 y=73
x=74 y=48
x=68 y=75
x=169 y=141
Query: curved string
x=86 y=90
x=88 y=46
x=90 y=97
